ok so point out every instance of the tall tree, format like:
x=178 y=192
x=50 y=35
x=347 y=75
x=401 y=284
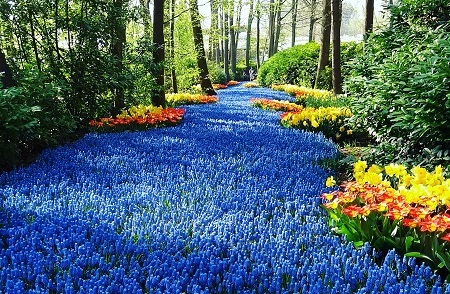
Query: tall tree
x=368 y=27
x=258 y=34
x=172 y=46
x=272 y=16
x=312 y=20
x=324 y=55
x=231 y=15
x=293 y=21
x=117 y=43
x=336 y=12
x=226 y=61
x=5 y=72
x=158 y=98
x=249 y=32
x=214 y=35
x=199 y=48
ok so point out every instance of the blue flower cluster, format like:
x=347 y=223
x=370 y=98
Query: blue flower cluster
x=226 y=202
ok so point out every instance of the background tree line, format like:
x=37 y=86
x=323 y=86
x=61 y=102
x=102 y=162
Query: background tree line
x=71 y=61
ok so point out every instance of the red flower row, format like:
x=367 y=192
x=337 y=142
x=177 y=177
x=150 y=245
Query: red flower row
x=165 y=117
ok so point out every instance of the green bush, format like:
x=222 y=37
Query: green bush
x=216 y=73
x=400 y=90
x=298 y=65
x=33 y=117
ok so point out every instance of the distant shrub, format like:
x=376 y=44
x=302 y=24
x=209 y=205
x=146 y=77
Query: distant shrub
x=298 y=65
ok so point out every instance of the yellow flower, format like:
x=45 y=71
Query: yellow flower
x=314 y=123
x=375 y=169
x=330 y=182
x=359 y=166
x=349 y=132
x=372 y=178
x=342 y=129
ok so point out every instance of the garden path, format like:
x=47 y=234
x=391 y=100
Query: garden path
x=226 y=202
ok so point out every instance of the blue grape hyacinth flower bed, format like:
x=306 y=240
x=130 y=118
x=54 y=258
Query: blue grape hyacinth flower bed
x=226 y=202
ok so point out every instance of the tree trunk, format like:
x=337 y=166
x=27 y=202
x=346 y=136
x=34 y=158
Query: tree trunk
x=117 y=44
x=312 y=20
x=215 y=51
x=172 y=46
x=7 y=80
x=277 y=28
x=271 y=26
x=199 y=48
x=232 y=41
x=294 y=22
x=336 y=11
x=33 y=40
x=258 y=35
x=324 y=55
x=249 y=32
x=225 y=45
x=368 y=28
x=159 y=98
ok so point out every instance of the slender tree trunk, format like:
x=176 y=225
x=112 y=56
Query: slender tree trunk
x=158 y=98
x=368 y=27
x=271 y=26
x=232 y=40
x=277 y=29
x=294 y=22
x=237 y=24
x=117 y=44
x=336 y=11
x=199 y=48
x=56 y=40
x=312 y=20
x=33 y=40
x=7 y=80
x=324 y=55
x=249 y=32
x=226 y=63
x=215 y=51
x=172 y=46
x=258 y=35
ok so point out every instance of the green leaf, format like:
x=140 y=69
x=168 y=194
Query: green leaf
x=418 y=255
x=408 y=242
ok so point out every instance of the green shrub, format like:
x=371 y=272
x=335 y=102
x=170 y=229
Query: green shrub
x=298 y=65
x=33 y=117
x=216 y=73
x=400 y=90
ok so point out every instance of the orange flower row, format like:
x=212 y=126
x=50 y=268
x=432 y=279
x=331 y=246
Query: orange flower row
x=276 y=105
x=232 y=83
x=359 y=200
x=219 y=86
x=168 y=116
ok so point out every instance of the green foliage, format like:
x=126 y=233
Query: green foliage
x=216 y=73
x=34 y=117
x=185 y=62
x=141 y=71
x=298 y=65
x=400 y=88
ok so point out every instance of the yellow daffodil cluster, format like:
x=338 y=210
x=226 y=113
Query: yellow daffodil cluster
x=428 y=189
x=300 y=91
x=139 y=111
x=176 y=99
x=250 y=85
x=328 y=120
